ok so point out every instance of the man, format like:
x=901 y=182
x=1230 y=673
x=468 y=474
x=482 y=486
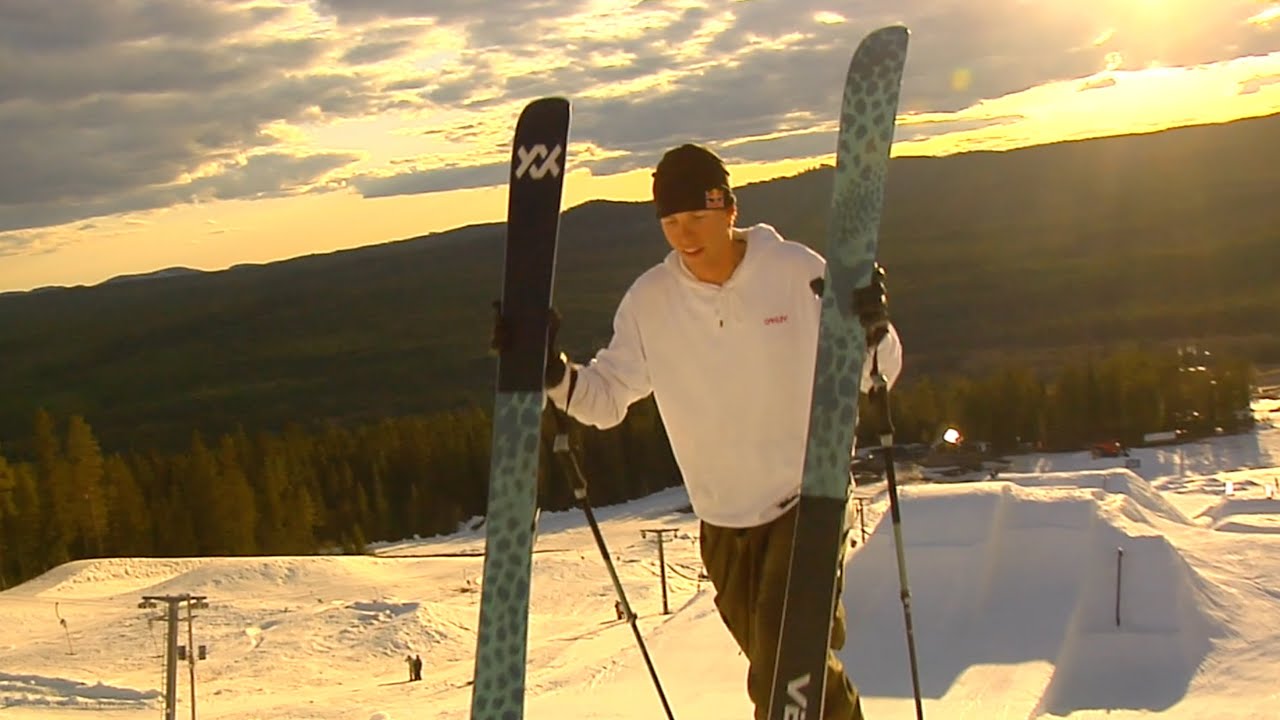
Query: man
x=723 y=333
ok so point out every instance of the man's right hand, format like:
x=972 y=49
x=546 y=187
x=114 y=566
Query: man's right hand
x=556 y=362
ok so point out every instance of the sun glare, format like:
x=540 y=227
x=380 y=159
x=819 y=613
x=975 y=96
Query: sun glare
x=1110 y=102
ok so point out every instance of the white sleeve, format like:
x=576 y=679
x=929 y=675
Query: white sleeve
x=889 y=354
x=600 y=392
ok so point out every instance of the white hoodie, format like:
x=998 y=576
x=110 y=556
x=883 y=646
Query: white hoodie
x=731 y=369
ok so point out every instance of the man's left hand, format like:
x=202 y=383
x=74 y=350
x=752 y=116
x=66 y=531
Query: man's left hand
x=872 y=305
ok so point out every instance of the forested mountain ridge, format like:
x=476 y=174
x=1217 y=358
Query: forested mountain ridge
x=1170 y=236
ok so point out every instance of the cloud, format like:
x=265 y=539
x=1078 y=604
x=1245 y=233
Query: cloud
x=380 y=44
x=154 y=68
x=1266 y=17
x=32 y=242
x=920 y=129
x=492 y=23
x=1254 y=85
x=259 y=176
x=435 y=180
x=797 y=145
x=764 y=68
x=53 y=28
x=376 y=51
x=266 y=175
x=110 y=107
x=14 y=243
x=1097 y=84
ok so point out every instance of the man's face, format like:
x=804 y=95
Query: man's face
x=704 y=240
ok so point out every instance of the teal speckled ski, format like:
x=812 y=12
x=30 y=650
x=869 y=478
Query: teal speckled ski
x=867 y=120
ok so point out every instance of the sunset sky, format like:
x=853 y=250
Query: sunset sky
x=142 y=134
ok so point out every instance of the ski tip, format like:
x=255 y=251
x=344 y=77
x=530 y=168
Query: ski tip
x=548 y=115
x=547 y=109
x=548 y=103
x=884 y=46
x=890 y=35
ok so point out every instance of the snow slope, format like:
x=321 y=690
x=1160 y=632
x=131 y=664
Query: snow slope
x=1013 y=582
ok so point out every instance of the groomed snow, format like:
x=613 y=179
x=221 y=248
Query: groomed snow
x=1013 y=584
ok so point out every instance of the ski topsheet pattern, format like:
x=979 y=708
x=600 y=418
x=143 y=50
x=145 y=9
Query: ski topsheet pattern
x=867 y=119
x=533 y=222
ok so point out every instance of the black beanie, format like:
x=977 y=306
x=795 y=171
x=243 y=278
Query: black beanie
x=691 y=177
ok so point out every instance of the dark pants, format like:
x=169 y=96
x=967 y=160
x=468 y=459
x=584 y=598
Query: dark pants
x=748 y=568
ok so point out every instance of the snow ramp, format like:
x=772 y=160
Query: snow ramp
x=1112 y=480
x=1014 y=598
x=222 y=576
x=1244 y=514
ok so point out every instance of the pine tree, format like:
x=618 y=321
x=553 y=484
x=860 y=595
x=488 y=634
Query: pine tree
x=25 y=550
x=129 y=533
x=379 y=509
x=301 y=522
x=143 y=468
x=85 y=468
x=53 y=480
x=200 y=483
x=273 y=502
x=356 y=543
x=235 y=508
x=8 y=511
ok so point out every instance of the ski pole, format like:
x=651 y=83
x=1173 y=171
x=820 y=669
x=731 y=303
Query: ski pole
x=573 y=469
x=880 y=396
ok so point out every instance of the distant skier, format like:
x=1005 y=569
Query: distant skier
x=724 y=334
x=408 y=660
x=417 y=667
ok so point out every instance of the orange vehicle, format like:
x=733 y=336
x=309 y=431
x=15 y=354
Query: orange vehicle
x=1108 y=448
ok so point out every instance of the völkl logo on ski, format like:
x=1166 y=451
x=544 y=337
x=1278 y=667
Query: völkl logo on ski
x=529 y=156
x=795 y=692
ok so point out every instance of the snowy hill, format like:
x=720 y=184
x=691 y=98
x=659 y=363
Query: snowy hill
x=1014 y=587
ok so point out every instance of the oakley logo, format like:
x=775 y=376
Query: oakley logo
x=529 y=158
x=775 y=320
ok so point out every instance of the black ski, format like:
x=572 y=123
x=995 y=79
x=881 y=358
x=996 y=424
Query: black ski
x=533 y=222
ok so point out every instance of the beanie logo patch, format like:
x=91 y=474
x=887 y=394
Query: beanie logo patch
x=715 y=199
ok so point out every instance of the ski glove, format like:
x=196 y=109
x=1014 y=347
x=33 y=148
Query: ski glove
x=872 y=305
x=555 y=362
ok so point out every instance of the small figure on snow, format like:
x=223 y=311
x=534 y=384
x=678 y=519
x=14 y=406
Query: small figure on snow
x=408 y=660
x=417 y=667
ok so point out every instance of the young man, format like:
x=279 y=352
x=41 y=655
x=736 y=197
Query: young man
x=724 y=334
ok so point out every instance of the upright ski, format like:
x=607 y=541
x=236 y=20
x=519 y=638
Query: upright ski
x=533 y=222
x=867 y=120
